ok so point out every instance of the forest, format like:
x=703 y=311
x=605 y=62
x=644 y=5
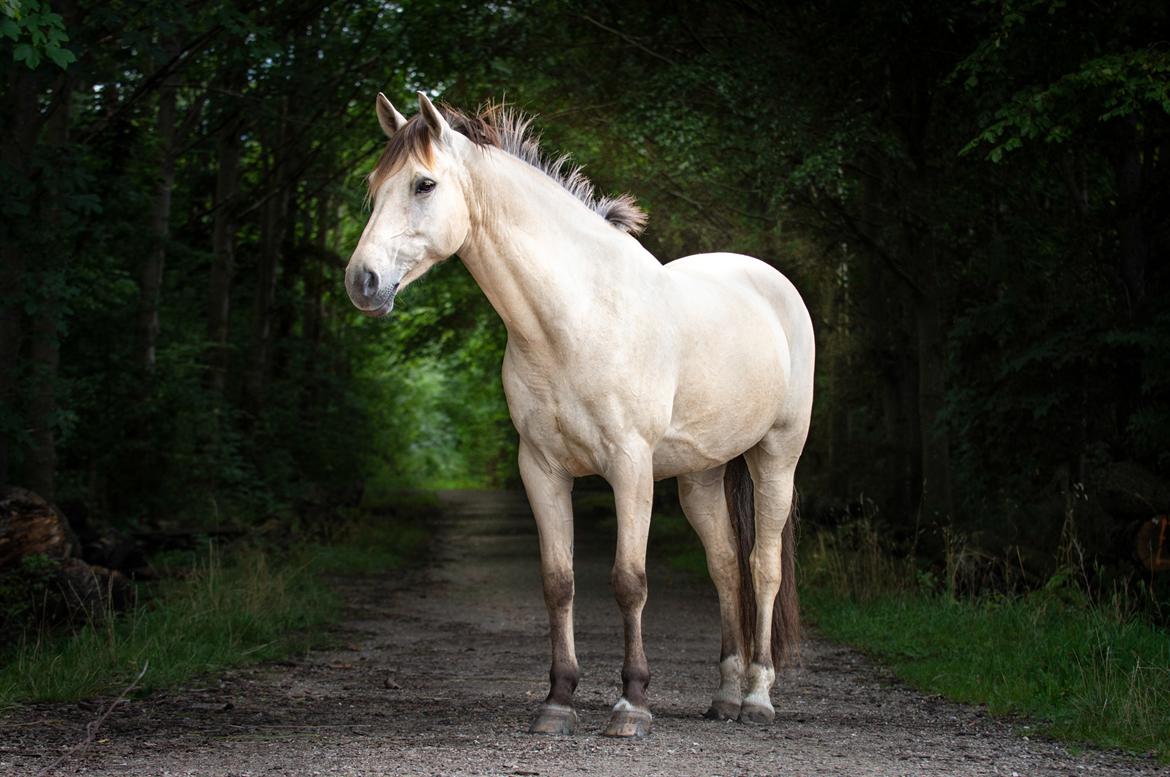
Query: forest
x=971 y=197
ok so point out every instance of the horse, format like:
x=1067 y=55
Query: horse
x=616 y=365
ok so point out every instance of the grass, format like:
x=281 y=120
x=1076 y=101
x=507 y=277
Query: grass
x=1084 y=671
x=222 y=614
x=1084 y=675
x=369 y=547
x=251 y=605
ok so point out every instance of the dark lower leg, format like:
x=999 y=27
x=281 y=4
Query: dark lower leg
x=563 y=674
x=630 y=589
x=556 y=715
x=548 y=493
x=633 y=495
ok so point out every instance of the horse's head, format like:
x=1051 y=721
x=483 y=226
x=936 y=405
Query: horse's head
x=419 y=214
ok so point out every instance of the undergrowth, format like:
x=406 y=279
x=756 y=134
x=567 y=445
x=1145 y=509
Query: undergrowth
x=368 y=547
x=1084 y=668
x=223 y=613
x=218 y=610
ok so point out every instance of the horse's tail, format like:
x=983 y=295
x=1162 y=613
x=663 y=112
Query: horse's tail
x=737 y=485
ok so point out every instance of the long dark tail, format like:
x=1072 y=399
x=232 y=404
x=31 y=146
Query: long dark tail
x=737 y=485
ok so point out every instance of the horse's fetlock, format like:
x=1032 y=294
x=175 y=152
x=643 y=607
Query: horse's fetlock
x=563 y=679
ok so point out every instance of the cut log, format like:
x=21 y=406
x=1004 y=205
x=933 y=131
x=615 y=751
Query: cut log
x=31 y=526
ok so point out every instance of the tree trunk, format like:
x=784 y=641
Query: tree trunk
x=1135 y=248
x=273 y=222
x=223 y=262
x=839 y=406
x=11 y=336
x=21 y=124
x=260 y=362
x=151 y=272
x=315 y=281
x=44 y=337
x=44 y=356
x=936 y=458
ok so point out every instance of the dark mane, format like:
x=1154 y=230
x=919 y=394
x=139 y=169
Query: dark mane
x=499 y=126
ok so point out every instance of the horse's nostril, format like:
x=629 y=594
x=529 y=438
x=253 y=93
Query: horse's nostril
x=370 y=283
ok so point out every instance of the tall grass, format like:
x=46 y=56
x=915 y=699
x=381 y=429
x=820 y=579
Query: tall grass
x=217 y=611
x=221 y=614
x=368 y=547
x=1085 y=669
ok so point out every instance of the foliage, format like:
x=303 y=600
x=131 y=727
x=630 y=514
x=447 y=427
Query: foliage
x=36 y=32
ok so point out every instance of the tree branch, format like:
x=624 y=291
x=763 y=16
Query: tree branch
x=91 y=728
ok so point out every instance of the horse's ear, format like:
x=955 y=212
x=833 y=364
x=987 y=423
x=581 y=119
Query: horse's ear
x=440 y=129
x=390 y=119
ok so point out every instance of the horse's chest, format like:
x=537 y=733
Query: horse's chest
x=578 y=418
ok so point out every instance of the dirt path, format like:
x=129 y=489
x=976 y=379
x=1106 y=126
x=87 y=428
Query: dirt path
x=441 y=669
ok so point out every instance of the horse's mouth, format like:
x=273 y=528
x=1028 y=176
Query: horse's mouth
x=381 y=311
x=383 y=305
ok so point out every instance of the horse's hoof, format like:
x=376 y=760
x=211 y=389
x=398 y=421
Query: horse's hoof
x=756 y=714
x=722 y=710
x=553 y=719
x=629 y=723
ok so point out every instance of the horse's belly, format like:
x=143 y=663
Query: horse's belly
x=712 y=434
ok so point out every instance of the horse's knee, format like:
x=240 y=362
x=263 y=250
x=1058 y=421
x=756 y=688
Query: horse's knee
x=558 y=590
x=629 y=586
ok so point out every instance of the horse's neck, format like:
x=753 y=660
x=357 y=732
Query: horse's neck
x=544 y=261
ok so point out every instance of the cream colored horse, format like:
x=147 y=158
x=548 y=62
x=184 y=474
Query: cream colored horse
x=619 y=366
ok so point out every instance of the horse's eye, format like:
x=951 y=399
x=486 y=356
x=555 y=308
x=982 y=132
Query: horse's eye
x=423 y=186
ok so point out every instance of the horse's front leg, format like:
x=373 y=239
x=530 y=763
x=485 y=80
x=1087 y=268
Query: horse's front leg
x=633 y=490
x=549 y=494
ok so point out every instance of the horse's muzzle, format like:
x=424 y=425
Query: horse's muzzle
x=369 y=293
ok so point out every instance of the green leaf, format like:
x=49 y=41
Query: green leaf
x=62 y=58
x=25 y=53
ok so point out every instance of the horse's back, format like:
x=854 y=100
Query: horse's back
x=754 y=276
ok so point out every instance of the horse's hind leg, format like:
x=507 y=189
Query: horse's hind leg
x=772 y=464
x=549 y=494
x=705 y=505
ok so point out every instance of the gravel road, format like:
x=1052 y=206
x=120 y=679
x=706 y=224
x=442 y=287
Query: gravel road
x=438 y=671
